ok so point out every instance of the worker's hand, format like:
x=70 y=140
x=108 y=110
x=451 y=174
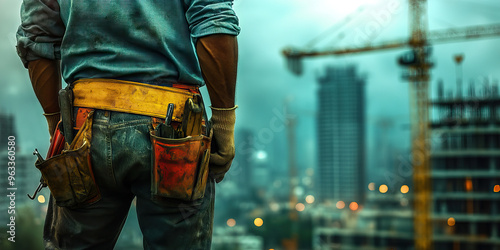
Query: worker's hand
x=52 y=120
x=223 y=152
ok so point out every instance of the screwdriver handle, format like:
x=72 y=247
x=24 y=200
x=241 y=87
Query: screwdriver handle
x=170 y=112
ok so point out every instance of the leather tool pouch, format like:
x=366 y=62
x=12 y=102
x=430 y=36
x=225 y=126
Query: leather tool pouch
x=69 y=175
x=180 y=166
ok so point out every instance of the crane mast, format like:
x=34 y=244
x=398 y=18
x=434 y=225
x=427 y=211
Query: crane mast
x=418 y=77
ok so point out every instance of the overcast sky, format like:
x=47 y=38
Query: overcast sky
x=264 y=83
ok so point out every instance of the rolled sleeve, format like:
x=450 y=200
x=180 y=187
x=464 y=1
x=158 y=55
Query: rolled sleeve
x=209 y=17
x=41 y=31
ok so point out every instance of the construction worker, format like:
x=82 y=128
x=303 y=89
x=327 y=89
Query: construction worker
x=112 y=54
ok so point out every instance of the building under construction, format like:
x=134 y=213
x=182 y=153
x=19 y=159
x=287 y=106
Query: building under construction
x=465 y=168
x=465 y=175
x=384 y=223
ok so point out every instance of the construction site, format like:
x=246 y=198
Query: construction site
x=465 y=171
x=454 y=147
x=464 y=178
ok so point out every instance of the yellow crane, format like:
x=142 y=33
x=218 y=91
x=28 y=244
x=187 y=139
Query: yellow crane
x=418 y=64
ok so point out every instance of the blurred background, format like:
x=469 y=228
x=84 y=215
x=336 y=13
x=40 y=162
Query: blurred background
x=379 y=129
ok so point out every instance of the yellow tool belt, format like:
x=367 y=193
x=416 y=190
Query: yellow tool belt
x=130 y=97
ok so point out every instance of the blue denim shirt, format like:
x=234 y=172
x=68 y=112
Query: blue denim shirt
x=135 y=40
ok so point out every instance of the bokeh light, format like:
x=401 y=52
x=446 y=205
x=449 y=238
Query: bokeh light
x=309 y=199
x=41 y=199
x=405 y=189
x=300 y=207
x=340 y=204
x=451 y=221
x=274 y=206
x=231 y=222
x=383 y=188
x=258 y=222
x=261 y=155
x=468 y=185
x=354 y=206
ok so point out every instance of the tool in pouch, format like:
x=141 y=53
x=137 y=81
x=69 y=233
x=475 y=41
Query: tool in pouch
x=165 y=129
x=68 y=172
x=42 y=183
x=58 y=140
x=180 y=155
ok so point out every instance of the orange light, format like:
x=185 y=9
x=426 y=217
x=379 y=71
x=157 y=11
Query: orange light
x=231 y=222
x=353 y=206
x=496 y=189
x=258 y=222
x=371 y=186
x=405 y=189
x=451 y=221
x=340 y=204
x=300 y=207
x=383 y=188
x=468 y=184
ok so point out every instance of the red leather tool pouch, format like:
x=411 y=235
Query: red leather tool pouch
x=69 y=175
x=180 y=167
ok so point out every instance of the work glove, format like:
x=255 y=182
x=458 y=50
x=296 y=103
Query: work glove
x=52 y=120
x=222 y=152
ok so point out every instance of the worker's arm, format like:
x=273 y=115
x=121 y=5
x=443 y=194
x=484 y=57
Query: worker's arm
x=45 y=76
x=214 y=26
x=218 y=57
x=38 y=45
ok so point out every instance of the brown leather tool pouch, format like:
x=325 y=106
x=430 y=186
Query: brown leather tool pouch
x=69 y=175
x=180 y=167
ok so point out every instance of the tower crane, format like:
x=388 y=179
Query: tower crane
x=418 y=64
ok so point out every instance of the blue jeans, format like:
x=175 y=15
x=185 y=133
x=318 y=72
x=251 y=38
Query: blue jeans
x=121 y=161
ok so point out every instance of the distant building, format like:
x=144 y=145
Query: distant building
x=386 y=222
x=235 y=238
x=465 y=170
x=242 y=169
x=341 y=135
x=6 y=130
x=24 y=179
x=383 y=155
x=27 y=177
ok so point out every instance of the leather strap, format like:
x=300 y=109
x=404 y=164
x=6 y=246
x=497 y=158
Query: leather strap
x=130 y=97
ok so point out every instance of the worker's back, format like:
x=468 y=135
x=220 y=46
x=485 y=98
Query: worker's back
x=140 y=41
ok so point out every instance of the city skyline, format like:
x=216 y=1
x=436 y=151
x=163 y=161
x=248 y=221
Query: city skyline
x=265 y=85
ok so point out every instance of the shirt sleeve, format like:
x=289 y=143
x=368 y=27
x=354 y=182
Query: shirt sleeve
x=209 y=17
x=41 y=31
